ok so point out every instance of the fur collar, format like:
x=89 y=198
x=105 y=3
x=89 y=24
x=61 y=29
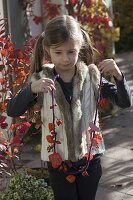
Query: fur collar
x=72 y=113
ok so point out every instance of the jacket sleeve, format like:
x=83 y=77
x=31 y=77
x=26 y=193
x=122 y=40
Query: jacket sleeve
x=18 y=105
x=118 y=94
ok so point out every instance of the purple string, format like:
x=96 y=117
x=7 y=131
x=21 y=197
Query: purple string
x=53 y=105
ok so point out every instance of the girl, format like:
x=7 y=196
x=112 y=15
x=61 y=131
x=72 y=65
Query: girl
x=67 y=90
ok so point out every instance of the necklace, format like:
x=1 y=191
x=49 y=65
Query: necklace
x=55 y=158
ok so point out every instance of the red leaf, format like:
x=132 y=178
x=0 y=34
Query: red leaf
x=58 y=122
x=71 y=178
x=85 y=173
x=37 y=19
x=2 y=119
x=9 y=153
x=2 y=106
x=4 y=52
x=23 y=127
x=4 y=143
x=55 y=159
x=73 y=2
x=16 y=140
x=13 y=126
x=88 y=3
x=4 y=125
x=51 y=127
x=3 y=81
x=97 y=138
x=50 y=138
x=103 y=103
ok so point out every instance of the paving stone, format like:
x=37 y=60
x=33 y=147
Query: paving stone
x=116 y=167
x=108 y=194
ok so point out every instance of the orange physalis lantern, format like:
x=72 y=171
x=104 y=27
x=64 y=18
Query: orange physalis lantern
x=55 y=159
x=71 y=178
x=51 y=127
x=50 y=138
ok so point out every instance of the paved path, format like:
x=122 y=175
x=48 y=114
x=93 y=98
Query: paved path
x=117 y=180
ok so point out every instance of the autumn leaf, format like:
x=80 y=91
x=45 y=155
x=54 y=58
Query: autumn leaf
x=16 y=141
x=12 y=127
x=23 y=127
x=50 y=138
x=9 y=153
x=2 y=119
x=73 y=2
x=4 y=52
x=71 y=178
x=2 y=106
x=51 y=127
x=4 y=125
x=37 y=19
x=85 y=173
x=3 y=81
x=55 y=159
x=58 y=122
x=88 y=3
x=103 y=103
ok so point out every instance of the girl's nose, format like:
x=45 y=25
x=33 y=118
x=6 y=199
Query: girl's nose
x=65 y=57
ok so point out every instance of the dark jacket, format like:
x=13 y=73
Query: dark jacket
x=118 y=94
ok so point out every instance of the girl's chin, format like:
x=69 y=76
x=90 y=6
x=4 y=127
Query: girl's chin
x=66 y=67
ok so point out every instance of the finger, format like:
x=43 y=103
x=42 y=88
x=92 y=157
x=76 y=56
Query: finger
x=49 y=85
x=106 y=62
x=48 y=80
x=52 y=87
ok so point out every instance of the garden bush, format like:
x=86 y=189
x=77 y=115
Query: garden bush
x=26 y=187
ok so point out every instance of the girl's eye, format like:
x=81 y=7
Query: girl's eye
x=58 y=52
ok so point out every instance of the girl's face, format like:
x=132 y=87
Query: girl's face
x=65 y=56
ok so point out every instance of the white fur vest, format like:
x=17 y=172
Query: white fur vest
x=73 y=133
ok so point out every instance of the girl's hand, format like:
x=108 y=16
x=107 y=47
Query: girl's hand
x=43 y=85
x=109 y=66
